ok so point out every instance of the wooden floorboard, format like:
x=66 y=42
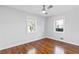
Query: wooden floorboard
x=43 y=46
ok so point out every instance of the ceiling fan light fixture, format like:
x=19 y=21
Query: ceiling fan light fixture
x=44 y=11
x=45 y=8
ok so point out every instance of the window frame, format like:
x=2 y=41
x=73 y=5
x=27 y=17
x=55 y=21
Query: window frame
x=31 y=19
x=63 y=25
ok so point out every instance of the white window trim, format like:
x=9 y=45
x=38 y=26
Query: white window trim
x=55 y=25
x=27 y=25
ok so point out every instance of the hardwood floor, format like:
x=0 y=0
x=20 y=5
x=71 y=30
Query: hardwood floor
x=43 y=46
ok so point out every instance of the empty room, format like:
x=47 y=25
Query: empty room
x=39 y=29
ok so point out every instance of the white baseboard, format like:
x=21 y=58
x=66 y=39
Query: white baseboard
x=20 y=43
x=62 y=40
x=24 y=42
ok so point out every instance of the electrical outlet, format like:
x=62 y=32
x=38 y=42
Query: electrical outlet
x=61 y=38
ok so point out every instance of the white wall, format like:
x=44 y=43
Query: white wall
x=13 y=27
x=71 y=34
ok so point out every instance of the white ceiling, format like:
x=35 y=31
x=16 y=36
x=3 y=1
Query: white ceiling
x=37 y=9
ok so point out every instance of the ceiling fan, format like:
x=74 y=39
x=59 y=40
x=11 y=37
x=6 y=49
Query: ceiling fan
x=45 y=8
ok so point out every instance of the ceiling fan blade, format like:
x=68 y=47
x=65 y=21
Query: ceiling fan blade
x=46 y=13
x=50 y=6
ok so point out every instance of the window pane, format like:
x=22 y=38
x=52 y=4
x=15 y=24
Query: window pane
x=59 y=24
x=31 y=25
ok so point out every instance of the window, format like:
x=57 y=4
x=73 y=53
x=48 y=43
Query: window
x=31 y=25
x=59 y=25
